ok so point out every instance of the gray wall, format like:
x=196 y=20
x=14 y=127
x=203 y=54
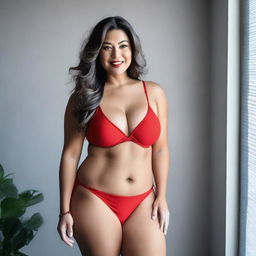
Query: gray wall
x=40 y=41
x=219 y=30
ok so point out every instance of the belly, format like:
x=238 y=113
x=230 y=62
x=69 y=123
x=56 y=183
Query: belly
x=125 y=169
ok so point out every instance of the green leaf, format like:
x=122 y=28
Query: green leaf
x=8 y=175
x=12 y=207
x=30 y=197
x=8 y=189
x=7 y=249
x=22 y=238
x=34 y=222
x=1 y=171
x=2 y=178
x=20 y=254
x=11 y=226
x=16 y=234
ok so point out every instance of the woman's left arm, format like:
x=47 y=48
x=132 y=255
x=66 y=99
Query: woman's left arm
x=160 y=159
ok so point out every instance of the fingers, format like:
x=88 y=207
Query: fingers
x=164 y=218
x=65 y=237
x=66 y=233
x=154 y=212
x=69 y=231
x=166 y=222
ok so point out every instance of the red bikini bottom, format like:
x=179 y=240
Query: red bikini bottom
x=122 y=206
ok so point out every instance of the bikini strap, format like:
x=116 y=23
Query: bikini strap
x=145 y=90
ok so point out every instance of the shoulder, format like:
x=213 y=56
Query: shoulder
x=70 y=106
x=70 y=111
x=156 y=91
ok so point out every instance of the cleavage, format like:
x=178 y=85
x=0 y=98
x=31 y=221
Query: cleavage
x=121 y=119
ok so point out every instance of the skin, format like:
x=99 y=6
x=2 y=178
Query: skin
x=125 y=169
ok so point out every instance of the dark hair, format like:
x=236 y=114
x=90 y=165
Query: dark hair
x=90 y=76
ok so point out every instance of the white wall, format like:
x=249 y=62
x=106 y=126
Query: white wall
x=40 y=41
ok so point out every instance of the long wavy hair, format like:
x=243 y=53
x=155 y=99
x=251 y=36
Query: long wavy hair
x=90 y=76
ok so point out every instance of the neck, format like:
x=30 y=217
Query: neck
x=117 y=80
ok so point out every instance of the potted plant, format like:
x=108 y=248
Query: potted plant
x=15 y=230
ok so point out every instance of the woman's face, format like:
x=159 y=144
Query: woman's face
x=116 y=47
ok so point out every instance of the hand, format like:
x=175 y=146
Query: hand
x=65 y=228
x=160 y=206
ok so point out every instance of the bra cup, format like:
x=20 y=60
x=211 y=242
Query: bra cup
x=102 y=132
x=149 y=131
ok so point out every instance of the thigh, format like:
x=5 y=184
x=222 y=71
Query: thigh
x=93 y=221
x=141 y=234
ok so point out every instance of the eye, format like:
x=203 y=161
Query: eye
x=105 y=47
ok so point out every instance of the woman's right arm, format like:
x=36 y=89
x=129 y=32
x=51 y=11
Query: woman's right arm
x=73 y=144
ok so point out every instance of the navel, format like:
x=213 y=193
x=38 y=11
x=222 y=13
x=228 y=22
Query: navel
x=130 y=180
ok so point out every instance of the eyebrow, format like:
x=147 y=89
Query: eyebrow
x=118 y=43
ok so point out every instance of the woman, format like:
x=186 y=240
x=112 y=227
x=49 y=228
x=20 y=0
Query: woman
x=110 y=204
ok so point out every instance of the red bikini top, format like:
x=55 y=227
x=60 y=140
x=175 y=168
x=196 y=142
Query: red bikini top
x=102 y=132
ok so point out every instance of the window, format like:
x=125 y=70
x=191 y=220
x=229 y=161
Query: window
x=247 y=245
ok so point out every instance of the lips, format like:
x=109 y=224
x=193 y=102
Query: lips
x=116 y=64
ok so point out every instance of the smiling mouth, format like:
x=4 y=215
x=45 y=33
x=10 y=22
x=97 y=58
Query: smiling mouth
x=116 y=64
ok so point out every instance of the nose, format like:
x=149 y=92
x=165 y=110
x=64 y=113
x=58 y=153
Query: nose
x=115 y=52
